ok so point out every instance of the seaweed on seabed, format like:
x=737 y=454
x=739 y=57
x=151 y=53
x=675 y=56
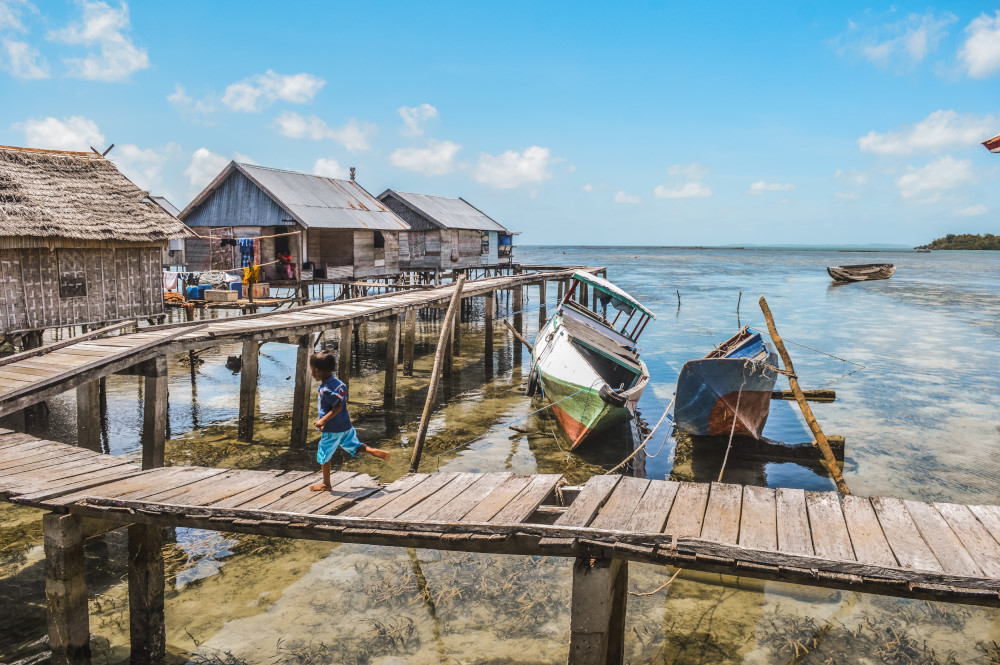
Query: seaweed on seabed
x=396 y=636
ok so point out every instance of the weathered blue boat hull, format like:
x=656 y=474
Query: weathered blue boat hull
x=711 y=392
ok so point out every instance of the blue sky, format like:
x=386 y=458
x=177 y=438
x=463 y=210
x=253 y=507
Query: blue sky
x=575 y=123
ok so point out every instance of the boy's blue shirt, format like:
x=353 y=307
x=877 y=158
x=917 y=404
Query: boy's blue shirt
x=332 y=393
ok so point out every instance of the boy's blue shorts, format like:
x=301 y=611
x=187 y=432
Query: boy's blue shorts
x=330 y=441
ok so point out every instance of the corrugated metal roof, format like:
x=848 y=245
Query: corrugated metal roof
x=446 y=212
x=166 y=205
x=325 y=203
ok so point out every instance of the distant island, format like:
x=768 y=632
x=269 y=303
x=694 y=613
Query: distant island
x=965 y=241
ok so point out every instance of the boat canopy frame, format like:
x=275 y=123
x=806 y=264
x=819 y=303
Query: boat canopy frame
x=619 y=296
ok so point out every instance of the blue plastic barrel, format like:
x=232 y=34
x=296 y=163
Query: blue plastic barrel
x=235 y=286
x=191 y=293
x=201 y=290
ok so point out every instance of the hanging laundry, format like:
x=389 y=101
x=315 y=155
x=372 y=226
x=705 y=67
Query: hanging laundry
x=169 y=281
x=227 y=242
x=256 y=251
x=251 y=274
x=246 y=251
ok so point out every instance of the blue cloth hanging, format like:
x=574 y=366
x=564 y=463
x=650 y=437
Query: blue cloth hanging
x=246 y=252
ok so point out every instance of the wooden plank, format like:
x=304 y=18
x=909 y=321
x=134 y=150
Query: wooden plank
x=650 y=516
x=722 y=514
x=432 y=504
x=495 y=501
x=585 y=506
x=759 y=519
x=57 y=466
x=688 y=510
x=341 y=496
x=947 y=548
x=283 y=479
x=870 y=544
x=901 y=533
x=989 y=517
x=974 y=536
x=831 y=539
x=462 y=504
x=54 y=491
x=527 y=502
x=156 y=478
x=179 y=490
x=413 y=496
x=371 y=504
x=177 y=483
x=43 y=478
x=221 y=487
x=617 y=512
x=287 y=502
x=40 y=458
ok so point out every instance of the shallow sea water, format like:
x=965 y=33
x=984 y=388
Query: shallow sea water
x=920 y=420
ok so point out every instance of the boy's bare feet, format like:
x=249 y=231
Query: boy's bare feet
x=320 y=487
x=381 y=454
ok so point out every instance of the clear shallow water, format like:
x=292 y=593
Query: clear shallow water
x=921 y=421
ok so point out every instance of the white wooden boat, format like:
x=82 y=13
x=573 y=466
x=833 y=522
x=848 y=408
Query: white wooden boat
x=589 y=366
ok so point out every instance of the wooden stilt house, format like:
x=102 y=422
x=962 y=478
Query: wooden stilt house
x=447 y=233
x=79 y=242
x=334 y=225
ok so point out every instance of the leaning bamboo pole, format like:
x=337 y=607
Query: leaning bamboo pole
x=445 y=339
x=793 y=383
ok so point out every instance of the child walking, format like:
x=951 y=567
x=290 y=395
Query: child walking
x=334 y=422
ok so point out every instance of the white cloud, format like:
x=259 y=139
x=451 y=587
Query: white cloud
x=73 y=133
x=10 y=14
x=105 y=28
x=513 y=168
x=693 y=171
x=853 y=177
x=941 y=130
x=972 y=211
x=414 y=118
x=353 y=135
x=588 y=187
x=329 y=168
x=24 y=60
x=436 y=159
x=690 y=190
x=847 y=195
x=760 y=187
x=621 y=196
x=243 y=159
x=256 y=92
x=901 y=43
x=204 y=166
x=928 y=183
x=981 y=52
x=144 y=167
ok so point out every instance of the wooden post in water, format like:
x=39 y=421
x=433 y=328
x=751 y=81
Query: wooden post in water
x=391 y=360
x=597 y=615
x=559 y=290
x=793 y=383
x=518 y=321
x=410 y=341
x=301 y=398
x=88 y=415
x=457 y=333
x=154 y=413
x=66 y=590
x=542 y=309
x=145 y=594
x=448 y=362
x=34 y=415
x=344 y=353
x=443 y=344
x=248 y=389
x=489 y=309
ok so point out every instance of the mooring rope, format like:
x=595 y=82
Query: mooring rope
x=642 y=446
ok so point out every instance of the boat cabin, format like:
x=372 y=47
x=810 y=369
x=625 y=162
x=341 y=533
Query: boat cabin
x=606 y=296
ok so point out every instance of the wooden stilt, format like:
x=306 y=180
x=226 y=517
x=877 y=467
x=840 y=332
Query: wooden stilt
x=448 y=363
x=457 y=333
x=542 y=308
x=344 y=353
x=145 y=594
x=248 y=389
x=391 y=360
x=489 y=309
x=518 y=321
x=559 y=290
x=88 y=416
x=597 y=616
x=409 y=341
x=34 y=415
x=66 y=590
x=154 y=413
x=302 y=396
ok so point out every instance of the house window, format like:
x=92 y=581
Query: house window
x=379 y=240
x=484 y=247
x=72 y=275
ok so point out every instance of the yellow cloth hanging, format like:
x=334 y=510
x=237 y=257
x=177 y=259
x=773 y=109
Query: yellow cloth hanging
x=251 y=275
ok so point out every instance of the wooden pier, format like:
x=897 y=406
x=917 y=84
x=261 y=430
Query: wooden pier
x=938 y=551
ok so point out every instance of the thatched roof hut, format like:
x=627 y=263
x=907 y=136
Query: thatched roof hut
x=82 y=244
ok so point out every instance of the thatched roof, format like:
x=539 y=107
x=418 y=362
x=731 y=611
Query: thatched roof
x=78 y=195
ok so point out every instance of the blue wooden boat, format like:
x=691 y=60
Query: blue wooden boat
x=732 y=383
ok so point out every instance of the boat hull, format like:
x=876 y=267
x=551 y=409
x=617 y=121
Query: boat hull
x=861 y=273
x=713 y=394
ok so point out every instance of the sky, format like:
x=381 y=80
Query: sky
x=576 y=123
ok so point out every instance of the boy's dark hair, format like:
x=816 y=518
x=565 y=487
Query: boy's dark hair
x=323 y=361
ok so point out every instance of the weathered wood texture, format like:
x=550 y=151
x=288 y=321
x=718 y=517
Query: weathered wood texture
x=597 y=621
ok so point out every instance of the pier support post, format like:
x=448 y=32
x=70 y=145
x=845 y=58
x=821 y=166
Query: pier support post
x=344 y=353
x=145 y=594
x=35 y=415
x=88 y=415
x=448 y=362
x=559 y=289
x=597 y=616
x=409 y=341
x=518 y=321
x=66 y=590
x=248 y=389
x=457 y=331
x=489 y=309
x=302 y=394
x=391 y=360
x=154 y=413
x=542 y=308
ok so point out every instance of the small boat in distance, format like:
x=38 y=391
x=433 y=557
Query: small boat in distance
x=732 y=384
x=586 y=365
x=861 y=272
